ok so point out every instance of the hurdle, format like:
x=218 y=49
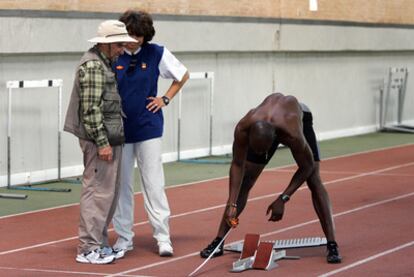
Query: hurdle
x=54 y=83
x=209 y=76
x=395 y=84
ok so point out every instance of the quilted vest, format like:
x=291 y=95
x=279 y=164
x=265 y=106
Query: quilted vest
x=111 y=108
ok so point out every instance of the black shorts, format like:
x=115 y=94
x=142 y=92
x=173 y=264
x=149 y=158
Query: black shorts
x=310 y=137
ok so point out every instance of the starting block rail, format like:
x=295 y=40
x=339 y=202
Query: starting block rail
x=299 y=243
x=285 y=244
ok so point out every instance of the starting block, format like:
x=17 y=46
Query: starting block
x=284 y=244
x=262 y=257
x=251 y=241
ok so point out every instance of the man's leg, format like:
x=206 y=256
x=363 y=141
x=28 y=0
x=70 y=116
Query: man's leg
x=117 y=158
x=252 y=172
x=88 y=241
x=99 y=192
x=322 y=205
x=320 y=198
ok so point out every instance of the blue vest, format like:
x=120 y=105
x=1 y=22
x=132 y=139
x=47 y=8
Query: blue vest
x=135 y=86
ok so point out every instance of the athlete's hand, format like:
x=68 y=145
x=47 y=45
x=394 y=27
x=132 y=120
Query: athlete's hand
x=277 y=208
x=230 y=215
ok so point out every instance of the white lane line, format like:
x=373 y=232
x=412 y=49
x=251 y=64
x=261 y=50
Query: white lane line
x=368 y=151
x=220 y=178
x=360 y=262
x=77 y=273
x=135 y=193
x=212 y=208
x=39 y=211
x=37 y=245
x=375 y=172
x=347 y=173
x=271 y=233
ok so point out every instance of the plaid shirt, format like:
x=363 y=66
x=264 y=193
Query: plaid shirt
x=92 y=83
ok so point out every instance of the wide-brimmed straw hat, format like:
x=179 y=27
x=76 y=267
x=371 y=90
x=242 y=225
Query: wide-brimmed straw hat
x=111 y=31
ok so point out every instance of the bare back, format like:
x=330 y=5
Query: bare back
x=284 y=113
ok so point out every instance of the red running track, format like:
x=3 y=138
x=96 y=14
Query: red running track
x=372 y=195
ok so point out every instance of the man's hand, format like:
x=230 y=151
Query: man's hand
x=231 y=215
x=105 y=153
x=278 y=208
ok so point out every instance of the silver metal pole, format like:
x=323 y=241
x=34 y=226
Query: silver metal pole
x=211 y=111
x=381 y=108
x=9 y=114
x=387 y=95
x=59 y=130
x=401 y=95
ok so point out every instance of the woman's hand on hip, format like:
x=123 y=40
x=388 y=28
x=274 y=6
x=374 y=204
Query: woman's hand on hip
x=155 y=105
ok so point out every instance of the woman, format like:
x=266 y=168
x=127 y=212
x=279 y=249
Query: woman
x=137 y=72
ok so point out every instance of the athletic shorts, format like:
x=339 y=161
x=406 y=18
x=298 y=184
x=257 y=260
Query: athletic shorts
x=310 y=137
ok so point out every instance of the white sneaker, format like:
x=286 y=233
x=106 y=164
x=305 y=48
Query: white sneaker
x=121 y=247
x=106 y=251
x=94 y=257
x=120 y=252
x=165 y=249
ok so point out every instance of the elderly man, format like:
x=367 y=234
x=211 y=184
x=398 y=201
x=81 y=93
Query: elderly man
x=94 y=115
x=278 y=119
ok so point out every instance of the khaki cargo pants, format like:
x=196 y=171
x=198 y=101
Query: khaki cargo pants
x=99 y=196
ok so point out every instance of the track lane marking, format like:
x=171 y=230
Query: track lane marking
x=270 y=233
x=346 y=173
x=211 y=208
x=64 y=271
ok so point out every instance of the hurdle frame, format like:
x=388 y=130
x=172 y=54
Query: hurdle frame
x=47 y=83
x=208 y=75
x=396 y=81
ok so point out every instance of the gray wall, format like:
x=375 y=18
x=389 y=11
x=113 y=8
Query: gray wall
x=336 y=69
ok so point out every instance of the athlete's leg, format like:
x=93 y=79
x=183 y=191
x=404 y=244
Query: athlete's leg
x=321 y=203
x=251 y=173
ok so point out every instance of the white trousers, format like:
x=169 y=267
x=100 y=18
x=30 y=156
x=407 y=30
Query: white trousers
x=148 y=156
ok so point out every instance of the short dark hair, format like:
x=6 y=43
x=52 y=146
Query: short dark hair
x=139 y=24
